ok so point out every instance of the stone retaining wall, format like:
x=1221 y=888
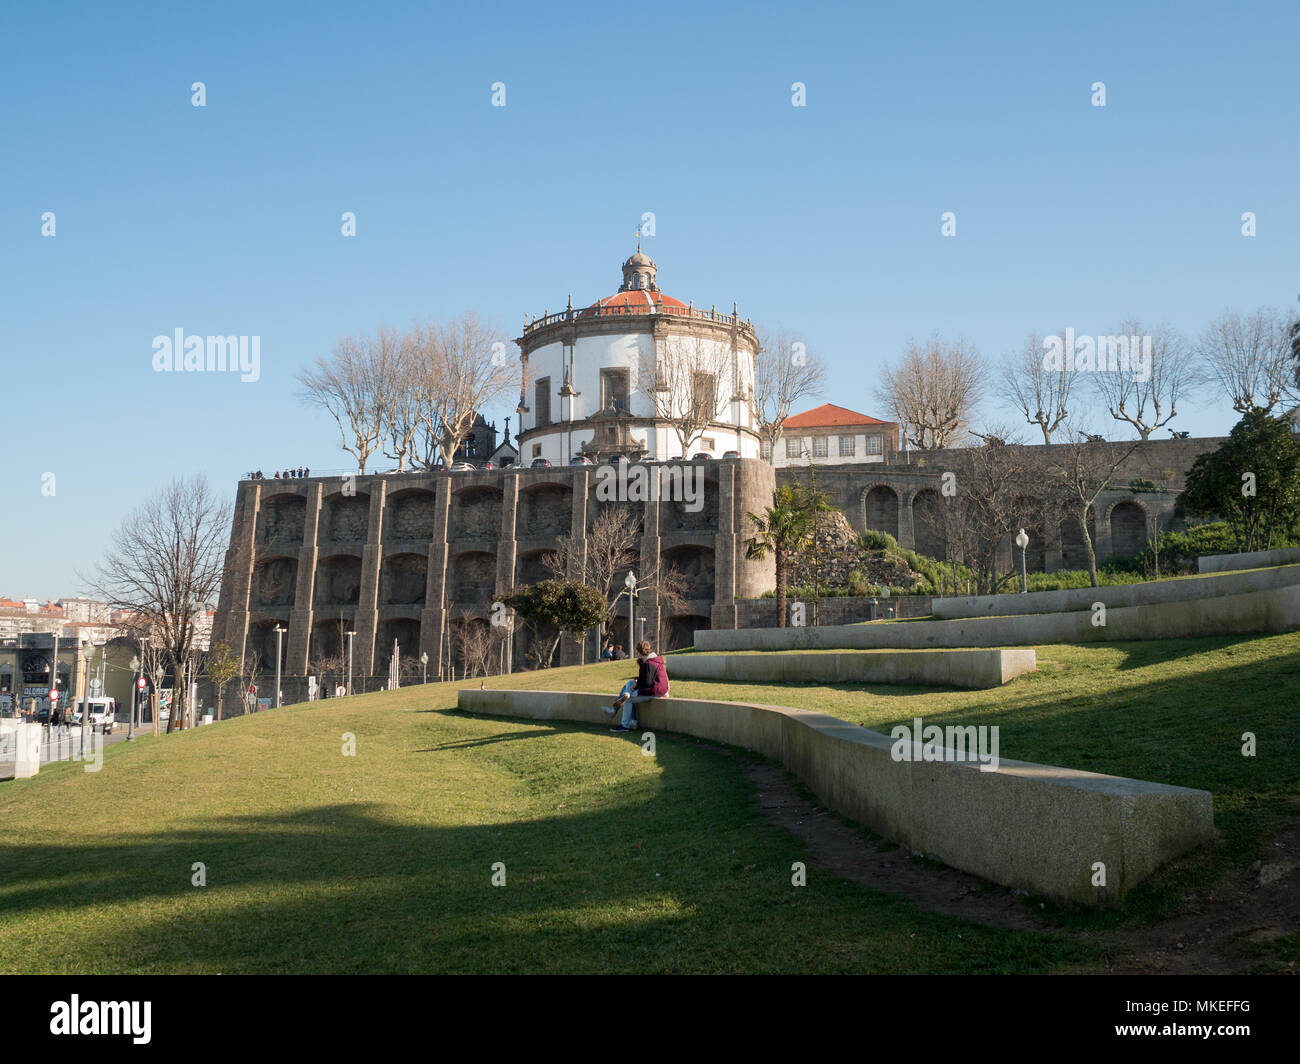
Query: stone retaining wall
x=1032 y=827
x=1276 y=610
x=1257 y=559
x=955 y=668
x=1119 y=595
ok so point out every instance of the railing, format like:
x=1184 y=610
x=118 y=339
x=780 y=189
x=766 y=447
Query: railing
x=631 y=311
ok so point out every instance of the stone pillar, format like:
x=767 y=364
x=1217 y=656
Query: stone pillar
x=433 y=618
x=907 y=520
x=723 y=614
x=1104 y=546
x=231 y=623
x=367 y=624
x=650 y=560
x=300 y=621
x=507 y=546
x=571 y=652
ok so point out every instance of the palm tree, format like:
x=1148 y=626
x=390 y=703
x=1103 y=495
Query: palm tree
x=786 y=530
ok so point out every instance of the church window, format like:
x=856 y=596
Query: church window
x=543 y=401
x=614 y=386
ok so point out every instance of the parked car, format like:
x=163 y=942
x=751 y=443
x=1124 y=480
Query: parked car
x=438 y=467
x=462 y=467
x=540 y=463
x=731 y=454
x=103 y=714
x=487 y=465
x=580 y=459
x=700 y=456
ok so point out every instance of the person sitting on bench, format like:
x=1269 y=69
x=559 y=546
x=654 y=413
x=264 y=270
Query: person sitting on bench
x=651 y=682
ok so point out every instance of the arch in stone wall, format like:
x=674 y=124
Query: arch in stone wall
x=471 y=577
x=409 y=515
x=403 y=579
x=926 y=529
x=1128 y=527
x=280 y=520
x=329 y=639
x=275 y=582
x=261 y=641
x=475 y=513
x=545 y=509
x=695 y=563
x=406 y=631
x=343 y=519
x=338 y=580
x=688 y=497
x=529 y=568
x=679 y=631
x=880 y=509
x=1074 y=554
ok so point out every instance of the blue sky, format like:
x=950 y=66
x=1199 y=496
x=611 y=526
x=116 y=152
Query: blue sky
x=825 y=219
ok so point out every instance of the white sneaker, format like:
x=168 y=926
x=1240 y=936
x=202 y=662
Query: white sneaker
x=609 y=710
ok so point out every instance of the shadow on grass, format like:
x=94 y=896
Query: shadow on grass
x=674 y=879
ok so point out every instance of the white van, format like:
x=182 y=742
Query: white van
x=101 y=713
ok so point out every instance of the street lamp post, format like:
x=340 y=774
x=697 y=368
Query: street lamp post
x=135 y=699
x=424 y=666
x=279 y=636
x=1022 y=541
x=350 y=635
x=630 y=583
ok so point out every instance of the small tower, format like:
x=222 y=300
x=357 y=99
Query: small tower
x=639 y=273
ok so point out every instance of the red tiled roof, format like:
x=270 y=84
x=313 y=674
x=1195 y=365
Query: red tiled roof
x=637 y=301
x=829 y=415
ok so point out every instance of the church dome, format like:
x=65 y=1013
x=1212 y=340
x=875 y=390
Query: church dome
x=634 y=301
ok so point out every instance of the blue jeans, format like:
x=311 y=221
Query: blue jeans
x=633 y=700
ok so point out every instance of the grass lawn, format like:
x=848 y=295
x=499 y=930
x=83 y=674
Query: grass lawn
x=317 y=862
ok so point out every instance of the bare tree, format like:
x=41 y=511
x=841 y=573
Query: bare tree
x=1249 y=357
x=165 y=563
x=689 y=381
x=600 y=560
x=406 y=377
x=1079 y=472
x=1043 y=395
x=353 y=385
x=465 y=370
x=934 y=390
x=784 y=374
x=1146 y=391
x=478 y=645
x=995 y=493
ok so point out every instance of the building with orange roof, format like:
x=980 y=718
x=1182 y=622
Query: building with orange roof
x=834 y=435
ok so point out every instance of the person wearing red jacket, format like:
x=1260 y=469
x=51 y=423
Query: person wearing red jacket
x=651 y=682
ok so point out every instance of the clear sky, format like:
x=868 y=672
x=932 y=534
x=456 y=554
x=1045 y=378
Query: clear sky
x=225 y=219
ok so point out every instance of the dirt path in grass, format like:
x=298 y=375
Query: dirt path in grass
x=1218 y=931
x=843 y=851
x=1227 y=928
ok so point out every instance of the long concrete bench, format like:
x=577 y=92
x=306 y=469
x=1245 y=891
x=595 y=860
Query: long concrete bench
x=1032 y=827
x=1221 y=563
x=955 y=668
x=1117 y=596
x=1277 y=610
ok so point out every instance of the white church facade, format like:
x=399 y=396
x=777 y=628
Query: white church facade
x=634 y=373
